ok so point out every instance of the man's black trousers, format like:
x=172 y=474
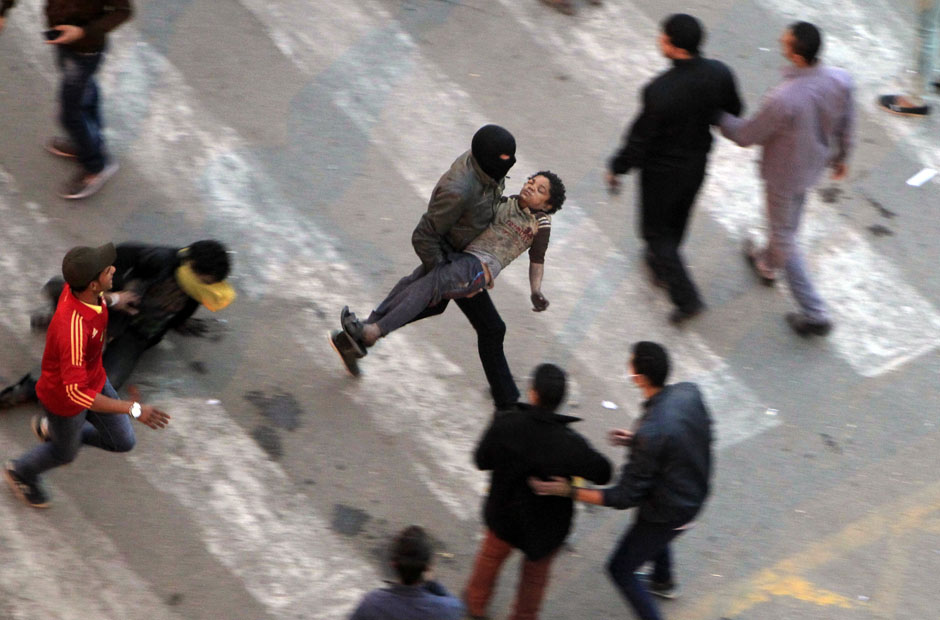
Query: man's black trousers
x=666 y=199
x=491 y=330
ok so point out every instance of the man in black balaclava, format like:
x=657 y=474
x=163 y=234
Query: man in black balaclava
x=462 y=205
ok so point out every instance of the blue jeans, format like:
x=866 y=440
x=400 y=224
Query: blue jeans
x=108 y=431
x=460 y=276
x=479 y=310
x=928 y=42
x=643 y=542
x=79 y=114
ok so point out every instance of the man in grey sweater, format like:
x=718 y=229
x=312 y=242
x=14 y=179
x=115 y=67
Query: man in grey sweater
x=804 y=125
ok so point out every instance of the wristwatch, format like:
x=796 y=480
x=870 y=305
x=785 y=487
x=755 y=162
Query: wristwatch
x=135 y=410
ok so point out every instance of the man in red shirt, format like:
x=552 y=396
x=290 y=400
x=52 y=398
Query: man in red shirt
x=80 y=404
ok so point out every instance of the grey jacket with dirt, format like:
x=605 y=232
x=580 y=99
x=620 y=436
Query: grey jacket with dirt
x=462 y=205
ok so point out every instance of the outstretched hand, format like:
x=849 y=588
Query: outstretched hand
x=539 y=303
x=149 y=415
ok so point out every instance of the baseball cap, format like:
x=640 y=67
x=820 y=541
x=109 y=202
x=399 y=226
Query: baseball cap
x=82 y=264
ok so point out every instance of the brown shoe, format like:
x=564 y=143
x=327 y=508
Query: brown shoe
x=61 y=147
x=83 y=185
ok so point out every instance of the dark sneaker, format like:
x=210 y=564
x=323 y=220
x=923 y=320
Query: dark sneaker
x=662 y=589
x=353 y=328
x=896 y=104
x=750 y=254
x=23 y=391
x=40 y=425
x=31 y=494
x=83 y=185
x=62 y=147
x=805 y=327
x=680 y=315
x=346 y=349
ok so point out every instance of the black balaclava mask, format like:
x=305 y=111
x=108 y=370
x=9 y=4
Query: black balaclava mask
x=489 y=142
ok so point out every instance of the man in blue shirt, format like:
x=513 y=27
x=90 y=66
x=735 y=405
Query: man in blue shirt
x=414 y=596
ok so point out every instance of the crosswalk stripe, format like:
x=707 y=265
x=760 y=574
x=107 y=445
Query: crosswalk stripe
x=251 y=515
x=882 y=322
x=60 y=565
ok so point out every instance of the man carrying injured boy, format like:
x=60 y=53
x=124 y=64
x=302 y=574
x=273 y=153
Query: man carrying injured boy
x=521 y=223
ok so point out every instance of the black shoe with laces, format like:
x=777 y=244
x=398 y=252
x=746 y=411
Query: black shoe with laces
x=346 y=349
x=32 y=494
x=23 y=391
x=353 y=328
x=804 y=327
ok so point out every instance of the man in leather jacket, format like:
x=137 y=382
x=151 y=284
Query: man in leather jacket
x=667 y=477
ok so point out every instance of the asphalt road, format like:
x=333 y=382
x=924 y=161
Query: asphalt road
x=307 y=136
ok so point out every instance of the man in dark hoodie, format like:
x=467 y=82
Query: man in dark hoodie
x=669 y=143
x=667 y=478
x=157 y=289
x=529 y=440
x=462 y=205
x=79 y=29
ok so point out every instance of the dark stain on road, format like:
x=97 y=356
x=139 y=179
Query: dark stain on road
x=349 y=521
x=880 y=231
x=282 y=409
x=830 y=195
x=831 y=443
x=882 y=210
x=199 y=367
x=269 y=440
x=174 y=599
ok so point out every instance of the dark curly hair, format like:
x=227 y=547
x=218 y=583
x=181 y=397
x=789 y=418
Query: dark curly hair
x=556 y=189
x=209 y=258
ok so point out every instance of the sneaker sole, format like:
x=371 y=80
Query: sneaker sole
x=15 y=487
x=51 y=149
x=35 y=424
x=94 y=187
x=329 y=336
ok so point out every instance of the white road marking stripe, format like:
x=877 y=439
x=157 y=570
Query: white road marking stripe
x=47 y=571
x=251 y=515
x=881 y=324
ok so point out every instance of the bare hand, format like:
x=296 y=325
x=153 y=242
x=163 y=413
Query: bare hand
x=613 y=183
x=539 y=303
x=70 y=34
x=2 y=21
x=153 y=417
x=556 y=486
x=620 y=437
x=126 y=300
x=839 y=171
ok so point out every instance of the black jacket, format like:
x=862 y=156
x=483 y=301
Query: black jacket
x=96 y=17
x=150 y=271
x=669 y=469
x=673 y=130
x=525 y=441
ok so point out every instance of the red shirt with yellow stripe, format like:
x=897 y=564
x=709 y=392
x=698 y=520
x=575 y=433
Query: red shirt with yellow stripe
x=72 y=374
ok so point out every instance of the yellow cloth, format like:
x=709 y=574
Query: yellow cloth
x=212 y=296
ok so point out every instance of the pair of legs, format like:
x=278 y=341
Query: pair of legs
x=925 y=60
x=421 y=295
x=784 y=213
x=111 y=432
x=80 y=110
x=644 y=542
x=666 y=201
x=532 y=580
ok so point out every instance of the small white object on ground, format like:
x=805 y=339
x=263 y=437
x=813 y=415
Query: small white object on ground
x=921 y=177
x=607 y=404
